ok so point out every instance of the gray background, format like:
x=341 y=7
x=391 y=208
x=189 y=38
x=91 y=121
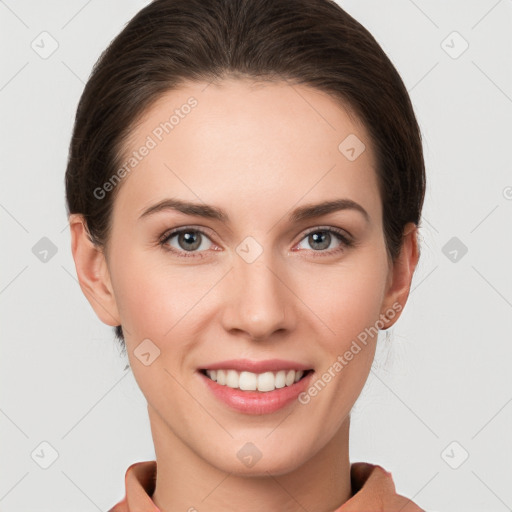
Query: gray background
x=436 y=410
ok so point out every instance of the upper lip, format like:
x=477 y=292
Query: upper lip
x=248 y=365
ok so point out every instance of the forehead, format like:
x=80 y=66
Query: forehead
x=249 y=145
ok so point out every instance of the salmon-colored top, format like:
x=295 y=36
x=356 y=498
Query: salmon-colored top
x=373 y=490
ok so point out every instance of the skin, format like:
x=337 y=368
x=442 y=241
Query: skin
x=257 y=151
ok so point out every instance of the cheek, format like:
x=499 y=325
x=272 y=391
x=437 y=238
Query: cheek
x=156 y=299
x=350 y=306
x=149 y=299
x=152 y=296
x=346 y=298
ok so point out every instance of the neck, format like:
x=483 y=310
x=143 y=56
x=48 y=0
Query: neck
x=187 y=482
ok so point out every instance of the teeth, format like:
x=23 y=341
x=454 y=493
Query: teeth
x=248 y=381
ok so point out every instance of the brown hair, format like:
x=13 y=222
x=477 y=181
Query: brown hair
x=311 y=42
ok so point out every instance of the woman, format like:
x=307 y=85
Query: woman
x=244 y=190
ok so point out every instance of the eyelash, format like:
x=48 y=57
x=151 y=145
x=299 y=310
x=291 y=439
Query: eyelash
x=345 y=241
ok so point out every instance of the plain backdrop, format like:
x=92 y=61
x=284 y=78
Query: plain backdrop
x=437 y=408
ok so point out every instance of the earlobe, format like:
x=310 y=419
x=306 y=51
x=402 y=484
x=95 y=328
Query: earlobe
x=399 y=284
x=92 y=271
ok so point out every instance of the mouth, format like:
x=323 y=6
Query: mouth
x=263 y=382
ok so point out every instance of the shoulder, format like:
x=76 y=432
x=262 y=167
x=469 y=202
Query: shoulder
x=373 y=489
x=140 y=480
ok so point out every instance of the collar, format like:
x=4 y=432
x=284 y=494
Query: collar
x=372 y=489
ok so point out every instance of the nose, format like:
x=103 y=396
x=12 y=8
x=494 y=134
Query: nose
x=258 y=302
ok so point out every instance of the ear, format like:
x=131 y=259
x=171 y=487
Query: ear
x=92 y=271
x=400 y=276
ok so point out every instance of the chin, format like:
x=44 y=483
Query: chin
x=252 y=462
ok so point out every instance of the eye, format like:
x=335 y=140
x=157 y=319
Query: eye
x=186 y=240
x=321 y=238
x=192 y=242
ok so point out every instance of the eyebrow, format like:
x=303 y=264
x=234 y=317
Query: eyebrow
x=212 y=212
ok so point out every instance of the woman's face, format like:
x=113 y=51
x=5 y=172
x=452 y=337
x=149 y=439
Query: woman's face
x=263 y=281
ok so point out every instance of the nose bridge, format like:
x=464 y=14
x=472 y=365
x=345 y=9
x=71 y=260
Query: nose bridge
x=259 y=303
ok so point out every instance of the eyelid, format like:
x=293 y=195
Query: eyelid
x=173 y=231
x=342 y=232
x=345 y=238
x=207 y=231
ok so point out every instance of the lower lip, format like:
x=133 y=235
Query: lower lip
x=257 y=402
